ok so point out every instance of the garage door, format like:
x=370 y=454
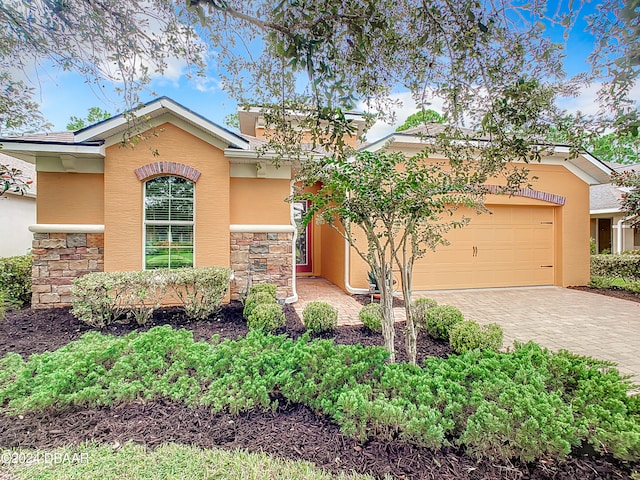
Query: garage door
x=512 y=246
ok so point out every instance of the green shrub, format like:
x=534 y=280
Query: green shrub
x=201 y=290
x=3 y=304
x=371 y=316
x=319 y=317
x=255 y=299
x=470 y=335
x=528 y=403
x=440 y=319
x=101 y=298
x=270 y=288
x=267 y=317
x=15 y=279
x=622 y=266
x=419 y=308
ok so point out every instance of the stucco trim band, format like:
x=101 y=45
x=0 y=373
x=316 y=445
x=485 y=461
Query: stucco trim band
x=529 y=193
x=262 y=228
x=65 y=228
x=167 y=168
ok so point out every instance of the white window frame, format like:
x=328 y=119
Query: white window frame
x=169 y=223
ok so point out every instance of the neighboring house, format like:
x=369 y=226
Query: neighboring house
x=17 y=212
x=208 y=198
x=610 y=227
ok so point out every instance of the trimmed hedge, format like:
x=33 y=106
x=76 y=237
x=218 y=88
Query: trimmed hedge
x=266 y=317
x=470 y=335
x=15 y=279
x=255 y=299
x=104 y=297
x=371 y=316
x=318 y=317
x=419 y=309
x=623 y=266
x=440 y=319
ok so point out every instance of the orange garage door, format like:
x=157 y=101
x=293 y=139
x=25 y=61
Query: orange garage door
x=512 y=246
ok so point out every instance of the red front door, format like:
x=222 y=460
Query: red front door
x=303 y=242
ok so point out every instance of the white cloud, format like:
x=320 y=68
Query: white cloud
x=407 y=106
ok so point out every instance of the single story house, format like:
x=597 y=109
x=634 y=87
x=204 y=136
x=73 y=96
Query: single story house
x=610 y=226
x=17 y=211
x=197 y=194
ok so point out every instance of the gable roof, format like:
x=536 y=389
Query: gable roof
x=605 y=198
x=119 y=123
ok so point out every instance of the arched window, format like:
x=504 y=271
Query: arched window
x=168 y=222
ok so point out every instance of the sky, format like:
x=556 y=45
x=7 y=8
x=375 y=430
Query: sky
x=64 y=94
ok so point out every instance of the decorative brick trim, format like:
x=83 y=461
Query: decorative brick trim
x=529 y=193
x=262 y=258
x=167 y=168
x=58 y=259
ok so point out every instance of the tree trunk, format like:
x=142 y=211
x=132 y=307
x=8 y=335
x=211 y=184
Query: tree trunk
x=386 y=302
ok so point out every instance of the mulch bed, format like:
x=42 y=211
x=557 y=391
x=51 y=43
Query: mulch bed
x=611 y=292
x=292 y=431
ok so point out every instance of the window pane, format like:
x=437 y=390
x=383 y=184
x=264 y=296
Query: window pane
x=157 y=235
x=181 y=257
x=181 y=188
x=182 y=235
x=156 y=208
x=157 y=187
x=181 y=210
x=156 y=258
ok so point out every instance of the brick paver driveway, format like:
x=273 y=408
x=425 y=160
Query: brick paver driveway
x=558 y=318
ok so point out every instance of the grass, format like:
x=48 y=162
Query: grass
x=161 y=260
x=167 y=462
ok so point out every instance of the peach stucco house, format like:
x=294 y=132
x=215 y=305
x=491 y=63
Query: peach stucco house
x=207 y=198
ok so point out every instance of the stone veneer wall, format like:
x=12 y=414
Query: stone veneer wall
x=261 y=258
x=59 y=258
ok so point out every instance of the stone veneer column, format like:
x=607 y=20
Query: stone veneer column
x=58 y=259
x=262 y=257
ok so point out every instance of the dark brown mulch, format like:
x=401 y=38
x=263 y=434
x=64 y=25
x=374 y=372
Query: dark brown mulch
x=292 y=431
x=611 y=292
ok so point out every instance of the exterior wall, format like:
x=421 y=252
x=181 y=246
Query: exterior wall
x=332 y=264
x=259 y=258
x=70 y=198
x=259 y=201
x=58 y=258
x=264 y=134
x=17 y=212
x=123 y=192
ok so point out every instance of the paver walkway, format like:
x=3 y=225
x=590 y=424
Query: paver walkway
x=557 y=318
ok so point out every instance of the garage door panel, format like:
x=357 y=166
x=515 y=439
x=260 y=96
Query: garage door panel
x=513 y=246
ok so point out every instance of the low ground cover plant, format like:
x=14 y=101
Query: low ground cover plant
x=470 y=335
x=528 y=403
x=104 y=297
x=319 y=317
x=371 y=316
x=15 y=279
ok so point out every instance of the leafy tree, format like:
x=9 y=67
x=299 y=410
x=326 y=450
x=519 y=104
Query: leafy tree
x=12 y=180
x=630 y=201
x=95 y=115
x=421 y=117
x=392 y=210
